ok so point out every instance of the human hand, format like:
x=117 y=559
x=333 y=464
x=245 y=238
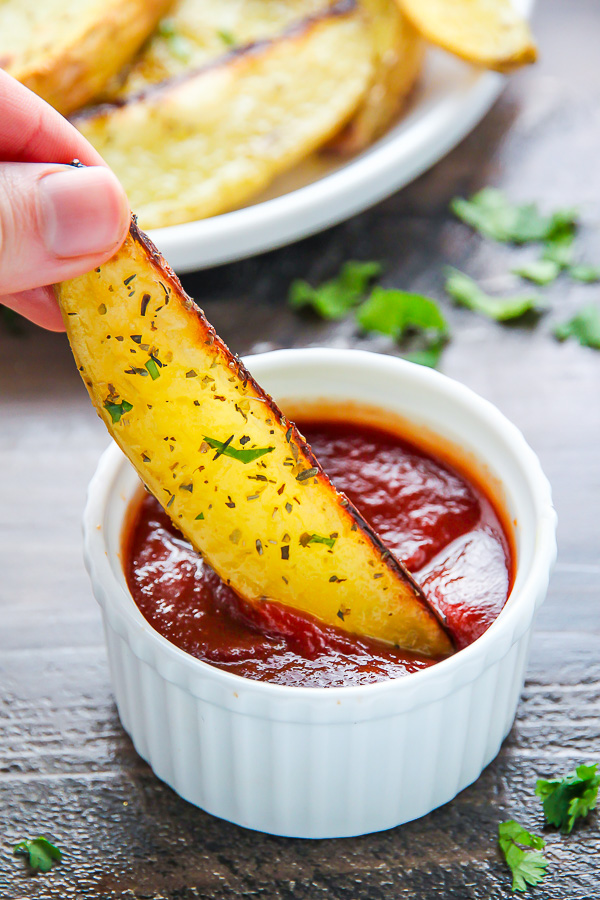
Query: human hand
x=56 y=221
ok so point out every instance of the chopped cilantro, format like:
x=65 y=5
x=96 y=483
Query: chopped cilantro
x=153 y=370
x=394 y=312
x=586 y=274
x=490 y=213
x=199 y=517
x=467 y=292
x=540 y=271
x=527 y=866
x=40 y=852
x=227 y=37
x=333 y=299
x=224 y=448
x=559 y=247
x=399 y=313
x=566 y=799
x=584 y=327
x=117 y=410
x=306 y=539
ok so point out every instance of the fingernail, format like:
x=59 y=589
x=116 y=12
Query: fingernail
x=81 y=210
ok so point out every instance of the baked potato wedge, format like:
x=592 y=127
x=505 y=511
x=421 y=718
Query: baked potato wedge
x=198 y=32
x=488 y=33
x=203 y=143
x=67 y=52
x=234 y=474
x=398 y=53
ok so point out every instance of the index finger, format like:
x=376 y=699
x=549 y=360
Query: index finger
x=32 y=131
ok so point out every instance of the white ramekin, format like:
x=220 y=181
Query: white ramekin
x=306 y=762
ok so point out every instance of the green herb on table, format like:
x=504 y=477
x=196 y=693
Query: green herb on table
x=584 y=273
x=540 y=271
x=398 y=314
x=224 y=448
x=566 y=799
x=527 y=865
x=584 y=327
x=466 y=292
x=491 y=214
x=335 y=298
x=41 y=854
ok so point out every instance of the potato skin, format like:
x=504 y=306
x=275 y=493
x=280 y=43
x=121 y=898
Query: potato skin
x=234 y=474
x=205 y=142
x=92 y=45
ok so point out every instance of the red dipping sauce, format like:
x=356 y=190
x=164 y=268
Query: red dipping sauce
x=441 y=525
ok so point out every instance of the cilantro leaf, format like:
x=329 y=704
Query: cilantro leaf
x=584 y=327
x=467 y=292
x=491 y=214
x=224 y=448
x=177 y=44
x=527 y=866
x=117 y=410
x=540 y=271
x=584 y=273
x=559 y=247
x=399 y=313
x=394 y=312
x=566 y=799
x=334 y=298
x=429 y=355
x=40 y=852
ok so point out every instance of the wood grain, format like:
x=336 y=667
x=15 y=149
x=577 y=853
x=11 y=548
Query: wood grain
x=67 y=768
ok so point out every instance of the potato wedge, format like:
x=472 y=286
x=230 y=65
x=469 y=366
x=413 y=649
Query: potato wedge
x=198 y=32
x=398 y=51
x=488 y=33
x=67 y=52
x=234 y=474
x=202 y=144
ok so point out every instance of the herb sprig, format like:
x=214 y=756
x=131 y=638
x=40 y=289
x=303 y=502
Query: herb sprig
x=335 y=298
x=41 y=854
x=566 y=799
x=528 y=866
x=466 y=292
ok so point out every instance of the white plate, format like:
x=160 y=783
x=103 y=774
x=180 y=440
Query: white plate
x=450 y=100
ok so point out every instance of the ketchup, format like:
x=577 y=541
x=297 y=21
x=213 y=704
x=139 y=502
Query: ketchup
x=440 y=524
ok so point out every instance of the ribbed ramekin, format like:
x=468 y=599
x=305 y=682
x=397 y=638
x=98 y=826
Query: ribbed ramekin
x=335 y=762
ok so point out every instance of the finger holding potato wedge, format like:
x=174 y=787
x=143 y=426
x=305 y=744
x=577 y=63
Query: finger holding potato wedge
x=236 y=477
x=488 y=33
x=204 y=142
x=67 y=52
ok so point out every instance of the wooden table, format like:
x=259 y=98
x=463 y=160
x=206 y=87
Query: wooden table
x=66 y=766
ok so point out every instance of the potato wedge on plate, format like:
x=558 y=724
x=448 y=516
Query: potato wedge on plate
x=197 y=32
x=398 y=51
x=66 y=52
x=234 y=474
x=203 y=143
x=488 y=33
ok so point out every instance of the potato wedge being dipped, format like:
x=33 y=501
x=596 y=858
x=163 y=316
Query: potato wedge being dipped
x=234 y=474
x=67 y=52
x=203 y=143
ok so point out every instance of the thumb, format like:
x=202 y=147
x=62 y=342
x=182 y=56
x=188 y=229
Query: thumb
x=56 y=222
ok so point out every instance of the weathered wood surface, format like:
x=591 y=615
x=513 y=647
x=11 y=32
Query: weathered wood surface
x=67 y=768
